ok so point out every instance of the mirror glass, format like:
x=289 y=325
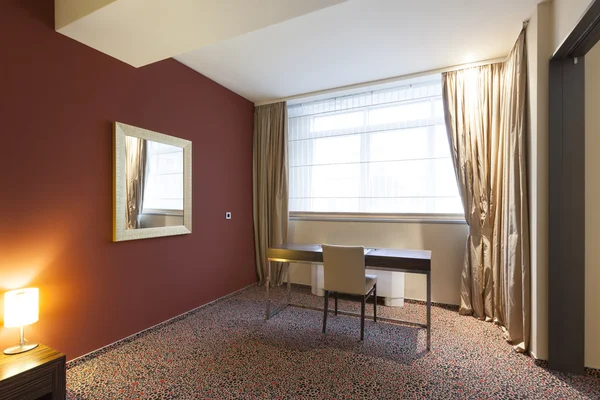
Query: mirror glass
x=152 y=184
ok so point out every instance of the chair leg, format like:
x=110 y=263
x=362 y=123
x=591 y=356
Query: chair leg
x=362 y=318
x=325 y=310
x=375 y=303
x=336 y=301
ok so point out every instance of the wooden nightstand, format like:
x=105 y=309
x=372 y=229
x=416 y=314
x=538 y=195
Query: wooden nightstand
x=38 y=374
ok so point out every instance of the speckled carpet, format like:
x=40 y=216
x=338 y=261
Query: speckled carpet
x=227 y=350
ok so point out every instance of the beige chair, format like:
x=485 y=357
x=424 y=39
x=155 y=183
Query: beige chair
x=344 y=272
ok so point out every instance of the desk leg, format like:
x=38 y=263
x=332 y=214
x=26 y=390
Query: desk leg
x=289 y=286
x=268 y=283
x=429 y=311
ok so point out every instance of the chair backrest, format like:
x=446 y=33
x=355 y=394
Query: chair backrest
x=344 y=269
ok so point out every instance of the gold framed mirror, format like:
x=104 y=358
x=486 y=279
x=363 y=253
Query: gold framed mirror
x=152 y=184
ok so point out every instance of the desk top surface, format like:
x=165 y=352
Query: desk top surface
x=387 y=259
x=12 y=365
x=400 y=253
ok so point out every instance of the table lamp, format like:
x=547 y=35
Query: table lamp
x=21 y=308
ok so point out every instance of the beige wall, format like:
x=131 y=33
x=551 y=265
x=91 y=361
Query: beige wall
x=592 y=210
x=446 y=241
x=158 y=220
x=566 y=15
x=540 y=48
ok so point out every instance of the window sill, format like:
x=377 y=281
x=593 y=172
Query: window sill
x=173 y=213
x=373 y=217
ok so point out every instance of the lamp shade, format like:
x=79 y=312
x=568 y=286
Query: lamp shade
x=21 y=307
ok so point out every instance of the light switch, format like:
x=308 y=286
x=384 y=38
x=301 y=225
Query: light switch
x=228 y=215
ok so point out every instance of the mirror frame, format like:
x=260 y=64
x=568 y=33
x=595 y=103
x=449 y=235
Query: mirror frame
x=120 y=232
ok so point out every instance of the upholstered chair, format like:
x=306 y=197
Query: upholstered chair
x=344 y=272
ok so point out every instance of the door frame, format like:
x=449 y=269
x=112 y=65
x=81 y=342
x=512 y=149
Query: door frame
x=566 y=191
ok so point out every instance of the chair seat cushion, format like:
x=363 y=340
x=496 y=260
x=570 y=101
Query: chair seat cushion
x=371 y=280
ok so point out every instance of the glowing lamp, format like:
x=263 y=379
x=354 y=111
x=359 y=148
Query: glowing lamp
x=21 y=307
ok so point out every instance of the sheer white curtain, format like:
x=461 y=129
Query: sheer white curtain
x=382 y=151
x=164 y=177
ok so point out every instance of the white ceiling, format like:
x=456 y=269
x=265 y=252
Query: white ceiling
x=360 y=41
x=140 y=32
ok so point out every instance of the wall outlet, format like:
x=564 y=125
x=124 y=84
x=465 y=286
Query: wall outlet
x=228 y=215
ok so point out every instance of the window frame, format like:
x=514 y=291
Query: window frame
x=377 y=217
x=165 y=211
x=452 y=218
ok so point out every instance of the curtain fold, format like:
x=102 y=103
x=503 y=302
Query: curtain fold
x=135 y=172
x=270 y=186
x=485 y=109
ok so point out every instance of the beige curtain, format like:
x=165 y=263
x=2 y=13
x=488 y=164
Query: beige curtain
x=485 y=111
x=270 y=186
x=135 y=172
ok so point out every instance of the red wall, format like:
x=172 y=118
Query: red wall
x=58 y=99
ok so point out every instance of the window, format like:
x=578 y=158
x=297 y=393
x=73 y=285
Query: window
x=382 y=151
x=164 y=184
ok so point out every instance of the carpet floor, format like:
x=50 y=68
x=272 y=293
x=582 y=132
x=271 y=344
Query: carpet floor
x=227 y=350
